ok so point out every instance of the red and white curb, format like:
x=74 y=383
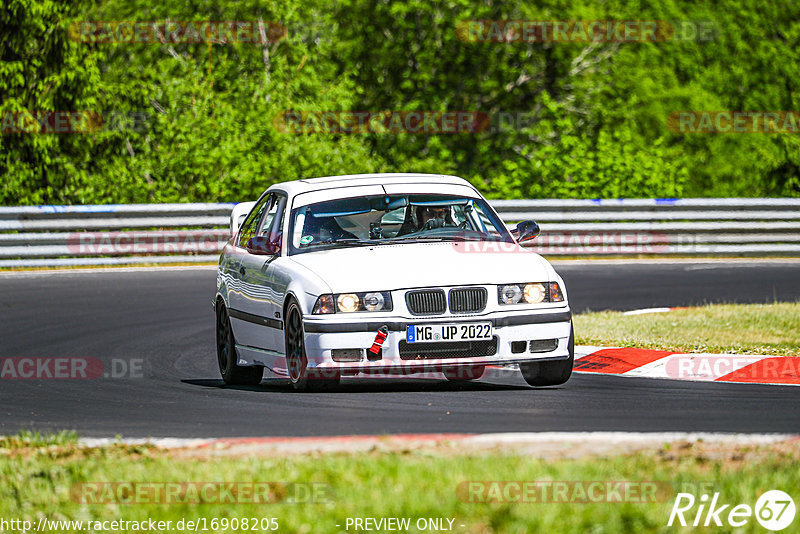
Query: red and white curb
x=699 y=367
x=739 y=368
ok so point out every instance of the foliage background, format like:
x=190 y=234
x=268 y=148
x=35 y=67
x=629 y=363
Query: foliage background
x=599 y=112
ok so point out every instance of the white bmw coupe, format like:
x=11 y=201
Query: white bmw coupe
x=385 y=274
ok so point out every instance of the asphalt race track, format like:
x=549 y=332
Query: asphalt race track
x=163 y=321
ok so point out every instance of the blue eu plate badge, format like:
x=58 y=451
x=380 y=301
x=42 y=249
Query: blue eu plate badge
x=410 y=336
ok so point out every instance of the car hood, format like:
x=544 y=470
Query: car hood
x=389 y=267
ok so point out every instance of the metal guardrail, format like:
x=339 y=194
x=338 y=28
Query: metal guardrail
x=692 y=226
x=39 y=236
x=115 y=234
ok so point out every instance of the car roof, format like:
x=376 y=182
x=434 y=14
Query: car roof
x=304 y=185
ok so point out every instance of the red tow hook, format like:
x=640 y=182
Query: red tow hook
x=379 y=339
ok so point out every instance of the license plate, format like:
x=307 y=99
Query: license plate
x=433 y=333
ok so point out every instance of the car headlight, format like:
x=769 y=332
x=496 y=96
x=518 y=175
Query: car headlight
x=374 y=301
x=353 y=302
x=534 y=293
x=324 y=305
x=510 y=294
x=348 y=302
x=529 y=293
x=555 y=293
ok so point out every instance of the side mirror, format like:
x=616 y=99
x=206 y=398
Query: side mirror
x=525 y=231
x=264 y=245
x=239 y=214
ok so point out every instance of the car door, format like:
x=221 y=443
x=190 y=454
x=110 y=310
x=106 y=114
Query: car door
x=277 y=278
x=241 y=289
x=259 y=304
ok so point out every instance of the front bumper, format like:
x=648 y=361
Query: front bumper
x=323 y=334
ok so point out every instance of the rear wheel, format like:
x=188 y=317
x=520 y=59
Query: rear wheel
x=461 y=374
x=550 y=373
x=301 y=377
x=226 y=354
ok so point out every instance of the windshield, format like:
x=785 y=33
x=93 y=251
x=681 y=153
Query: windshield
x=391 y=219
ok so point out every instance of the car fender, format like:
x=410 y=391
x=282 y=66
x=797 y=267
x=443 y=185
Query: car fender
x=553 y=275
x=227 y=254
x=305 y=286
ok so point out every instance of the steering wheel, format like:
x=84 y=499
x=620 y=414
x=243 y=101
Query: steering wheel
x=432 y=224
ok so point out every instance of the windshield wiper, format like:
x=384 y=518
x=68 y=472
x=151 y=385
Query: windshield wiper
x=440 y=238
x=347 y=241
x=427 y=239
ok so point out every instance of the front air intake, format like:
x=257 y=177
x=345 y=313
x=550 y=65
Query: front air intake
x=477 y=348
x=544 y=345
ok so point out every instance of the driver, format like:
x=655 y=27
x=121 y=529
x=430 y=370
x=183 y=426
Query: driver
x=419 y=218
x=434 y=217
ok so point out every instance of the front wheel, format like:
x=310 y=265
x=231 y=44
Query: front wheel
x=231 y=373
x=550 y=373
x=301 y=377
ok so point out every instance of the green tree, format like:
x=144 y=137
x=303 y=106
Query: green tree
x=42 y=70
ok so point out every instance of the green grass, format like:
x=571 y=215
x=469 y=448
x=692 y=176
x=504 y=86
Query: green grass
x=772 y=329
x=27 y=439
x=36 y=480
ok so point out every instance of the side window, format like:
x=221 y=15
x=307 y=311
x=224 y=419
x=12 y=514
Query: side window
x=271 y=223
x=250 y=224
x=269 y=216
x=394 y=217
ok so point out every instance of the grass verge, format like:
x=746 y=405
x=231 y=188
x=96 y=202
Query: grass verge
x=772 y=329
x=38 y=480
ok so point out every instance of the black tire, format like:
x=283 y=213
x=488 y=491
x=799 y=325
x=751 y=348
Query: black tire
x=464 y=374
x=539 y=374
x=231 y=373
x=300 y=376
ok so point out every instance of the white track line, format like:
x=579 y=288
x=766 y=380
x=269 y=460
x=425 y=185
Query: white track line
x=644 y=311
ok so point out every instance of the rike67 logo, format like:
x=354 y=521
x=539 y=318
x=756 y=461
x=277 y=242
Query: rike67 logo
x=774 y=510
